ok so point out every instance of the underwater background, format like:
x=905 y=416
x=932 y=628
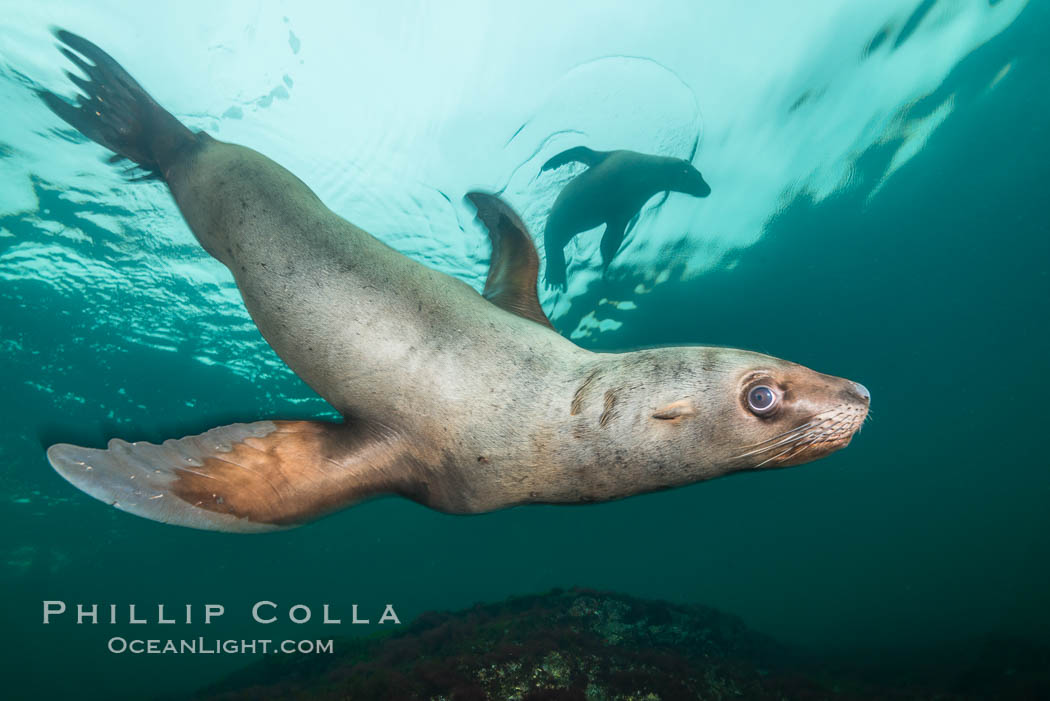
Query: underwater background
x=878 y=175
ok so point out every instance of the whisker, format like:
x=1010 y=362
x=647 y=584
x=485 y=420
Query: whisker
x=795 y=449
x=812 y=421
x=815 y=424
x=786 y=436
x=815 y=436
x=778 y=455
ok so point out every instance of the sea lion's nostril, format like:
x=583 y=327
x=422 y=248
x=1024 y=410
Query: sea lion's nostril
x=862 y=391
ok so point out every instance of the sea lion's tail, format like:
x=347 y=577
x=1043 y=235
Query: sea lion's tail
x=116 y=112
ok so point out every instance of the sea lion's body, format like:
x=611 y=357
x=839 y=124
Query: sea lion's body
x=611 y=191
x=464 y=402
x=381 y=337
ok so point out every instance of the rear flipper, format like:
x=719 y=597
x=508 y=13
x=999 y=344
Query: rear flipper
x=243 y=478
x=116 y=112
x=580 y=154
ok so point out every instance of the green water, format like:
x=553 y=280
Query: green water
x=930 y=286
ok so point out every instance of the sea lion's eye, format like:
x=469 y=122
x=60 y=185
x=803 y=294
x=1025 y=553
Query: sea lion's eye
x=762 y=400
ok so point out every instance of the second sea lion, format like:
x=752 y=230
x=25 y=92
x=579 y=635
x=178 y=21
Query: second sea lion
x=611 y=191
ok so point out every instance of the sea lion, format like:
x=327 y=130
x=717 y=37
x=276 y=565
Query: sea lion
x=611 y=191
x=464 y=402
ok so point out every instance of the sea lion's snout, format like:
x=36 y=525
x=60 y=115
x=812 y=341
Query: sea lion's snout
x=861 y=391
x=701 y=188
x=786 y=414
x=693 y=182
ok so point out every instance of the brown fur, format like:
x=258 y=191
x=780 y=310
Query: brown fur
x=301 y=470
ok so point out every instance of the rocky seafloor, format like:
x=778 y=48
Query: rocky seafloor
x=583 y=645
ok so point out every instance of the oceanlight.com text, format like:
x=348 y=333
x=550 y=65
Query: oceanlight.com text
x=214 y=646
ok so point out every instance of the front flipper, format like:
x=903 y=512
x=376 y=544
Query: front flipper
x=611 y=241
x=630 y=224
x=511 y=283
x=243 y=478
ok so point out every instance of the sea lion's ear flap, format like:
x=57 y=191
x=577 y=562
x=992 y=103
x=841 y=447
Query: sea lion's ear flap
x=511 y=284
x=242 y=478
x=675 y=410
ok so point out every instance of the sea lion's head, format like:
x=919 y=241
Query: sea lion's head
x=685 y=178
x=744 y=410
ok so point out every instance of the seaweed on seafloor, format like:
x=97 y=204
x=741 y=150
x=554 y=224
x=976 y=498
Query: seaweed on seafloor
x=575 y=645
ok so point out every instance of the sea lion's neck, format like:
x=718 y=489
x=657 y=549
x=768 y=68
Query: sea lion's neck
x=601 y=440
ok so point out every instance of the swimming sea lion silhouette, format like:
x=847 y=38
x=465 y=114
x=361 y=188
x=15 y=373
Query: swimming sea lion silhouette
x=611 y=191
